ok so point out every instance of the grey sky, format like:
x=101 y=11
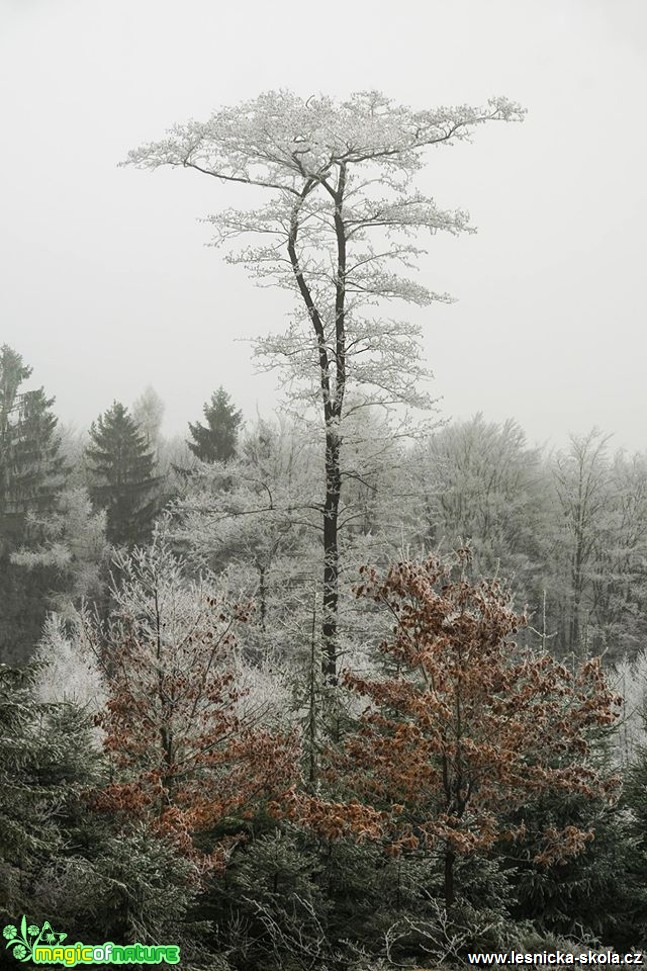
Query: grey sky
x=107 y=286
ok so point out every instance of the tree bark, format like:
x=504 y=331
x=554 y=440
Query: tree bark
x=450 y=891
x=331 y=556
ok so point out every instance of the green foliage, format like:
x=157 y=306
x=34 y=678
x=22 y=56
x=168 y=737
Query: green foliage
x=370 y=890
x=23 y=823
x=600 y=892
x=597 y=891
x=121 y=886
x=56 y=855
x=30 y=464
x=635 y=828
x=70 y=542
x=31 y=471
x=338 y=905
x=268 y=902
x=23 y=608
x=122 y=479
x=45 y=753
x=217 y=440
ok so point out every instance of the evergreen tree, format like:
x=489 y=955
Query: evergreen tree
x=44 y=751
x=21 y=821
x=30 y=464
x=217 y=440
x=30 y=477
x=69 y=542
x=122 y=476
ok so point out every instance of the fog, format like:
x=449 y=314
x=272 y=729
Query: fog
x=108 y=286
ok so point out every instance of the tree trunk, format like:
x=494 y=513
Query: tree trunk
x=450 y=892
x=331 y=556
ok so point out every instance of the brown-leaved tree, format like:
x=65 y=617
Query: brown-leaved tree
x=464 y=728
x=186 y=753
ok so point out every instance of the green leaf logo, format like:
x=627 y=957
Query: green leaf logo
x=49 y=936
x=22 y=940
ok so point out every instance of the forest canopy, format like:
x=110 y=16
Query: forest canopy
x=335 y=688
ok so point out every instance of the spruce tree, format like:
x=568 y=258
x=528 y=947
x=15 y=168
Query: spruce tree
x=30 y=464
x=122 y=479
x=45 y=751
x=31 y=474
x=218 y=439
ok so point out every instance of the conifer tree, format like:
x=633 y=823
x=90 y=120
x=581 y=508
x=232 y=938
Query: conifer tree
x=122 y=476
x=69 y=542
x=217 y=440
x=44 y=751
x=30 y=463
x=31 y=473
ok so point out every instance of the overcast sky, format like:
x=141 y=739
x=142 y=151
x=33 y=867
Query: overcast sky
x=107 y=286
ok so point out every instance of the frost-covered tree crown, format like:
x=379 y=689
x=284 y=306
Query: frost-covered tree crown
x=338 y=228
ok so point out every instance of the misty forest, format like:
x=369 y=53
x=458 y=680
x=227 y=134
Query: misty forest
x=346 y=685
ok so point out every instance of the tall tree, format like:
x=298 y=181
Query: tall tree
x=148 y=412
x=122 y=476
x=31 y=474
x=621 y=585
x=584 y=520
x=217 y=440
x=341 y=217
x=30 y=464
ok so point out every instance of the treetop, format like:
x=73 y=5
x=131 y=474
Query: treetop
x=279 y=138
